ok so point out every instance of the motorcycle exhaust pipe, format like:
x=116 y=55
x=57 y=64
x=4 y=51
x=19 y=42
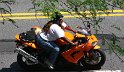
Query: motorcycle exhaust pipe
x=26 y=55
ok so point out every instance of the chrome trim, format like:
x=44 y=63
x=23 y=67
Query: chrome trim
x=26 y=55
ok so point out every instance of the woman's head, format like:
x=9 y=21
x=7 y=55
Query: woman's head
x=47 y=25
x=56 y=16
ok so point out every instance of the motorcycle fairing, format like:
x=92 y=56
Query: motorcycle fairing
x=93 y=38
x=74 y=54
x=30 y=44
x=68 y=35
x=79 y=35
x=37 y=29
x=97 y=47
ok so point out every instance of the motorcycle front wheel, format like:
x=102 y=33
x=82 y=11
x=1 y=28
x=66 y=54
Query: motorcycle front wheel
x=93 y=59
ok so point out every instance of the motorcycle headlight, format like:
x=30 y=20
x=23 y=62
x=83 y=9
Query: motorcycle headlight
x=94 y=43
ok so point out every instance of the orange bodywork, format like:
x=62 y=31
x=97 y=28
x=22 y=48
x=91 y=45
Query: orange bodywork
x=32 y=45
x=68 y=35
x=92 y=38
x=68 y=55
x=38 y=29
x=75 y=53
x=73 y=58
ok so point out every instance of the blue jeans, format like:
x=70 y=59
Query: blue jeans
x=50 y=46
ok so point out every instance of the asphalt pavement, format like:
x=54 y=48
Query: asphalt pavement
x=8 y=31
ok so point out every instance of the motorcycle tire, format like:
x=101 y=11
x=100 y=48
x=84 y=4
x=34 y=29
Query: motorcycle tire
x=94 y=66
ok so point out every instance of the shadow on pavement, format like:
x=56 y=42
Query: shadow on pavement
x=107 y=36
x=14 y=67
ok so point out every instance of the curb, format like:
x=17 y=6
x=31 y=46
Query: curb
x=7 y=40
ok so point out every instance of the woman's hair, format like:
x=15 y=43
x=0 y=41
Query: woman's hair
x=48 y=24
x=56 y=16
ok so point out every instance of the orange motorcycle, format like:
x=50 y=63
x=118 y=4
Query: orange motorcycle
x=86 y=54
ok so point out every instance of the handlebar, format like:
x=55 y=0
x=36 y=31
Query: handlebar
x=85 y=31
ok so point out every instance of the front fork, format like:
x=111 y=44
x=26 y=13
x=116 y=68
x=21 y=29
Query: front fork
x=88 y=55
x=95 y=48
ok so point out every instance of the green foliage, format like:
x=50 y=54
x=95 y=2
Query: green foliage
x=117 y=28
x=7 y=1
x=46 y=6
x=103 y=40
x=6 y=10
x=75 y=3
x=54 y=15
x=11 y=20
x=118 y=3
x=116 y=48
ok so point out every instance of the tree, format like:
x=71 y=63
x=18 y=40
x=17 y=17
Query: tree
x=85 y=10
x=5 y=8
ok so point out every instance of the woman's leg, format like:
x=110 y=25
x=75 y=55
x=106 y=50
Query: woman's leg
x=50 y=46
x=54 y=52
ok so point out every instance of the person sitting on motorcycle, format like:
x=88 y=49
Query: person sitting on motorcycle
x=52 y=32
x=57 y=17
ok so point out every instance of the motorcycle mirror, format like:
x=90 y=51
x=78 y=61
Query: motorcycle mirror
x=79 y=27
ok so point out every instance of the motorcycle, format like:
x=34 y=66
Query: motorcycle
x=86 y=54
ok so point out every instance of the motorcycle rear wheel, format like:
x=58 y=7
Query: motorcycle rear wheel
x=25 y=63
x=95 y=60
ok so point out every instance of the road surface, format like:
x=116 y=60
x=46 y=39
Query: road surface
x=8 y=31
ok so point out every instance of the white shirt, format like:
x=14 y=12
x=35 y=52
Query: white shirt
x=64 y=24
x=43 y=35
x=54 y=33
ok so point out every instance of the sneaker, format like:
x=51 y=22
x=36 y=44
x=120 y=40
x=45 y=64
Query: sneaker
x=49 y=65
